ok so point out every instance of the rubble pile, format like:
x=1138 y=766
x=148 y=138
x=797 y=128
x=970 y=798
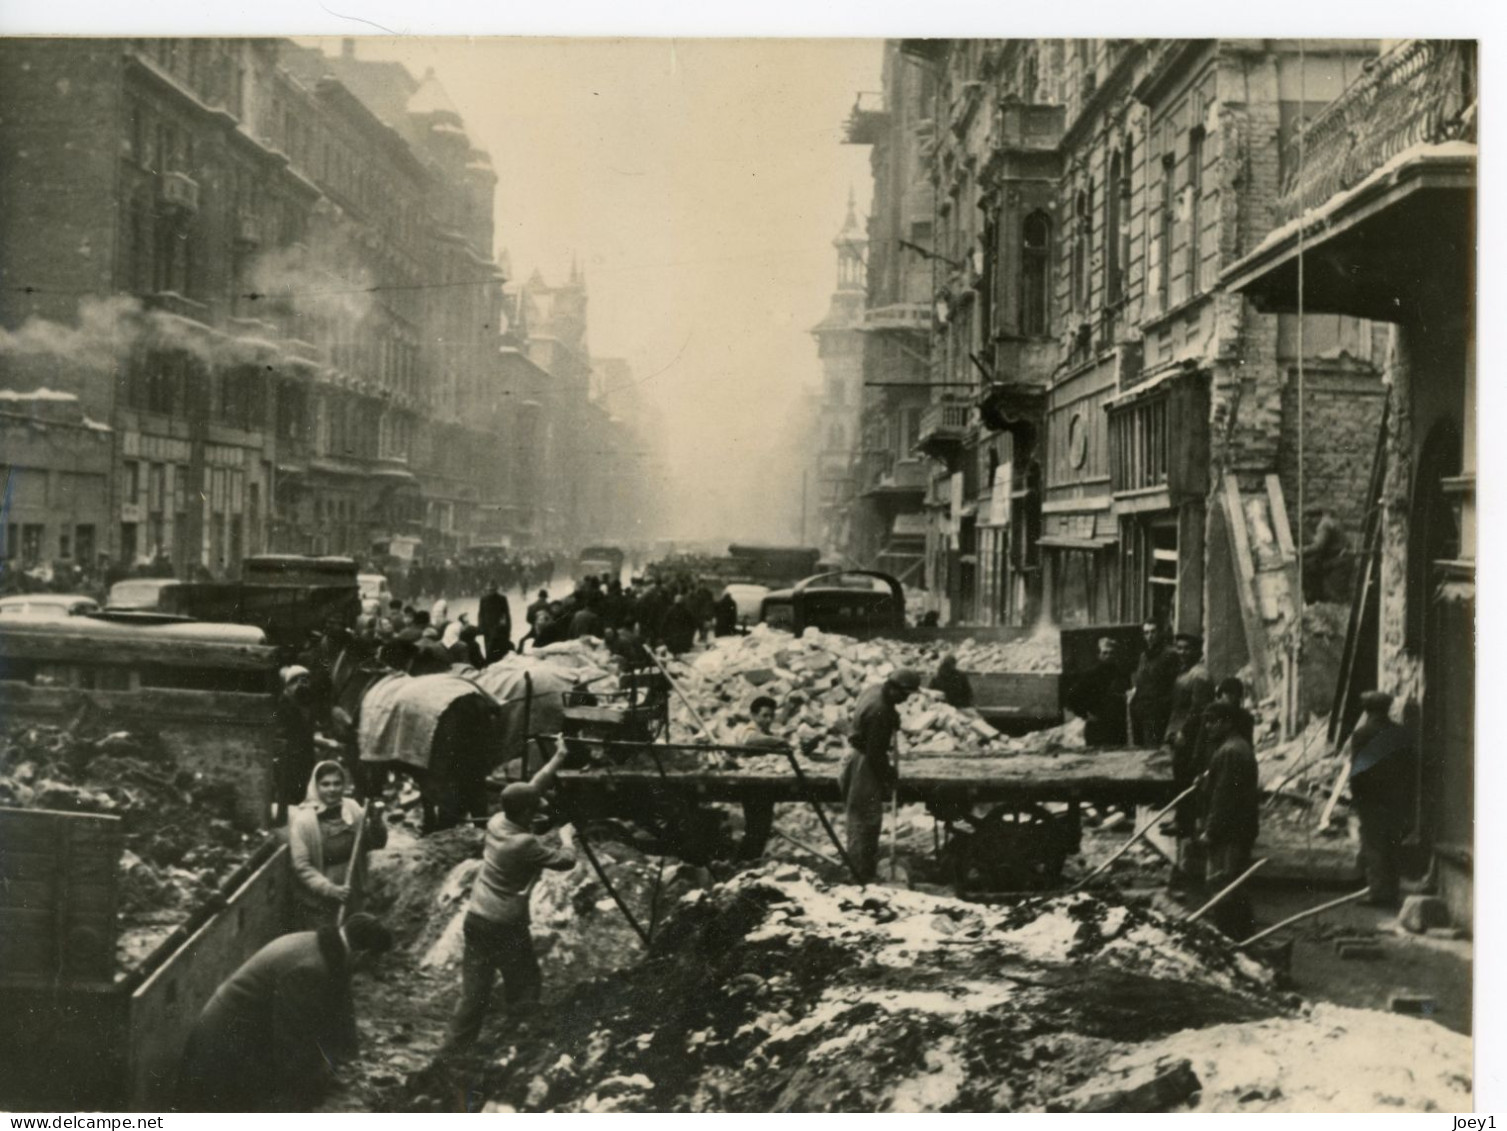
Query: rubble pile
x=777 y=992
x=1304 y=766
x=817 y=678
x=182 y=840
x=1041 y=652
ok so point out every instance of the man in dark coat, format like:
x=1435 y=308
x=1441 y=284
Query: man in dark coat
x=1230 y=802
x=1099 y=698
x=1151 y=687
x=276 y=1031
x=494 y=620
x=726 y=615
x=1381 y=785
x=678 y=628
x=587 y=620
x=1192 y=691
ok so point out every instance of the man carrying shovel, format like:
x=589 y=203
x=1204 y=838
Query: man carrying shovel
x=868 y=777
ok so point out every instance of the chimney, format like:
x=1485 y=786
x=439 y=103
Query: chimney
x=347 y=48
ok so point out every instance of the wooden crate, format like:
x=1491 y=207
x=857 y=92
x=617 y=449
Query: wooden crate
x=1022 y=695
x=57 y=896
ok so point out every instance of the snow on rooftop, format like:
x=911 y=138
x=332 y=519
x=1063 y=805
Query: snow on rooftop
x=39 y=394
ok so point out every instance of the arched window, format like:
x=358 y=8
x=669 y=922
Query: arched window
x=1035 y=256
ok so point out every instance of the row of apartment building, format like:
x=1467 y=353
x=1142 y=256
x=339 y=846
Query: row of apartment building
x=250 y=303
x=1091 y=393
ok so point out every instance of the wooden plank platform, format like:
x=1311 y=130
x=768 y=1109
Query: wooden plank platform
x=1128 y=776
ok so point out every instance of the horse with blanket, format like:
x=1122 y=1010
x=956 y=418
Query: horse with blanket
x=404 y=711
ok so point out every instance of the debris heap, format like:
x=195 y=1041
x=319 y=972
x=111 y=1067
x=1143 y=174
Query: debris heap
x=182 y=839
x=776 y=992
x=817 y=678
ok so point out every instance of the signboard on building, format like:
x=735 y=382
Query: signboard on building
x=955 y=508
x=999 y=504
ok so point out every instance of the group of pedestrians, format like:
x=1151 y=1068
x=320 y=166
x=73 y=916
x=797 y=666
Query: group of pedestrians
x=628 y=619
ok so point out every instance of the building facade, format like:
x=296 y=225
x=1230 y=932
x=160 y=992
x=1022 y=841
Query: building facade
x=1114 y=436
x=886 y=525
x=265 y=275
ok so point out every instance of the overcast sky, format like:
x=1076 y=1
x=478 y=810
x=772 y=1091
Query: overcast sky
x=700 y=183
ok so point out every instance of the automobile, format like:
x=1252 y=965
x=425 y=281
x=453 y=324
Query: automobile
x=47 y=605
x=140 y=593
x=856 y=602
x=748 y=598
x=374 y=587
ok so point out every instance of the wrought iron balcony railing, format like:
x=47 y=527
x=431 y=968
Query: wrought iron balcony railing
x=1421 y=92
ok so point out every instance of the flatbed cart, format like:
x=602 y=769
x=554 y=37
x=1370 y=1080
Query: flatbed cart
x=995 y=830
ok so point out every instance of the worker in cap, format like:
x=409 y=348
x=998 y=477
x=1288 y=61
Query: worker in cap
x=1381 y=787
x=496 y=927
x=868 y=776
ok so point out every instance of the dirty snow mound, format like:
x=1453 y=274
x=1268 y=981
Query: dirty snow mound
x=777 y=992
x=1330 y=1058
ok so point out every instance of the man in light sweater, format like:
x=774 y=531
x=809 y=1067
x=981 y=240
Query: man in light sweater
x=497 y=938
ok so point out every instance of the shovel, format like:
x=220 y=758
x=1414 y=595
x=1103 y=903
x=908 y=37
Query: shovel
x=895 y=880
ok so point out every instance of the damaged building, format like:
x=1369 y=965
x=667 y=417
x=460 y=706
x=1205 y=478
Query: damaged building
x=1099 y=406
x=1377 y=222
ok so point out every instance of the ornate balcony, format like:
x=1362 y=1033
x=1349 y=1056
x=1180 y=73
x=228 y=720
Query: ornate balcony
x=911 y=316
x=1420 y=93
x=868 y=120
x=944 y=427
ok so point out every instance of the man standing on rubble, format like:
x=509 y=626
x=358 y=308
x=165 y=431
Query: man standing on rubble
x=1381 y=785
x=1230 y=802
x=868 y=776
x=496 y=928
x=494 y=620
x=1192 y=692
x=1151 y=688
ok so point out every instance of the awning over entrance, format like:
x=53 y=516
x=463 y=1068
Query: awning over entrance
x=1361 y=248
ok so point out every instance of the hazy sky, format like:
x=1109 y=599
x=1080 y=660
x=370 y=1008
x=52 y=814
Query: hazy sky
x=700 y=182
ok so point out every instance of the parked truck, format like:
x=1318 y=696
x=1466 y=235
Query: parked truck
x=287 y=596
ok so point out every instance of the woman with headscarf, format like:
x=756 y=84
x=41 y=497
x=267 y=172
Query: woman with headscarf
x=324 y=833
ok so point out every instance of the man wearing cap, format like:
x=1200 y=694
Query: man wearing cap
x=1230 y=801
x=867 y=776
x=1381 y=785
x=496 y=929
